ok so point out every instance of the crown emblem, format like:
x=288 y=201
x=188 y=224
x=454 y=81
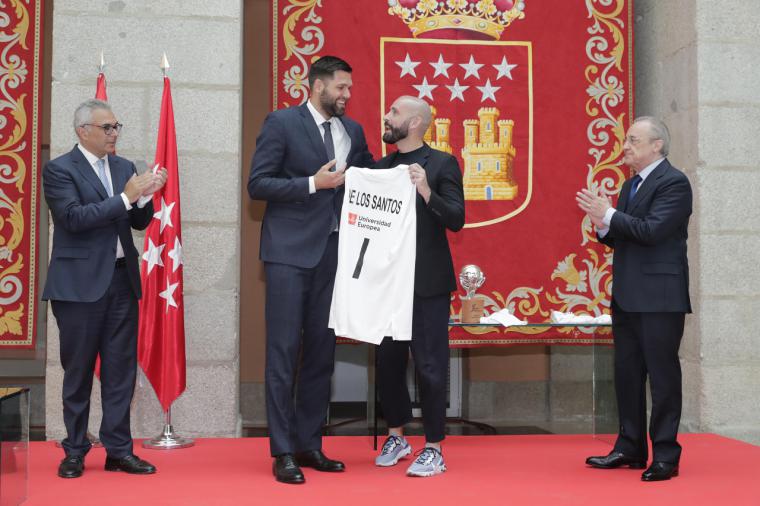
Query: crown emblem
x=484 y=17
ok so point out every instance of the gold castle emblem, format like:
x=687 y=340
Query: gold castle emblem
x=488 y=153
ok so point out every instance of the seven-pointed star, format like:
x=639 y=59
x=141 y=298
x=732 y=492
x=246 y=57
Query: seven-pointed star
x=504 y=68
x=425 y=89
x=176 y=255
x=165 y=214
x=153 y=255
x=168 y=294
x=457 y=90
x=471 y=68
x=407 y=66
x=441 y=67
x=488 y=91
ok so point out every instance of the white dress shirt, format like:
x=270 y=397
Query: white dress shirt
x=608 y=215
x=140 y=202
x=341 y=140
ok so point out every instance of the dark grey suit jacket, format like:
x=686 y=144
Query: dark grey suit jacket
x=87 y=222
x=289 y=150
x=650 y=270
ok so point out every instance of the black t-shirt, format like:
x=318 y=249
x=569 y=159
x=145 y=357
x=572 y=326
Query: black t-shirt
x=410 y=157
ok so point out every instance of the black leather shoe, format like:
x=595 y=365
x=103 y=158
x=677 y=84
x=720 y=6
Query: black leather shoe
x=72 y=466
x=616 y=459
x=286 y=470
x=660 y=471
x=319 y=461
x=131 y=464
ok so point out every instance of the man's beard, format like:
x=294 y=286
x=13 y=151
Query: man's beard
x=395 y=134
x=331 y=107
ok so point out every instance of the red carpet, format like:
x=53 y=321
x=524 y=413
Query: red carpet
x=483 y=470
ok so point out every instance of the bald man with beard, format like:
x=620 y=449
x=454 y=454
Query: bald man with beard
x=439 y=206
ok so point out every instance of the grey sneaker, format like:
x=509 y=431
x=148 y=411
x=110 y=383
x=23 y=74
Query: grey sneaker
x=394 y=449
x=429 y=462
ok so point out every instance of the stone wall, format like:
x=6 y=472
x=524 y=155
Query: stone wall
x=695 y=67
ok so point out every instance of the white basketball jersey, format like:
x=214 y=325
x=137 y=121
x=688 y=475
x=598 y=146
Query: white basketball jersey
x=374 y=285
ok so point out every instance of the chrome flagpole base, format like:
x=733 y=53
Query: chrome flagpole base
x=168 y=440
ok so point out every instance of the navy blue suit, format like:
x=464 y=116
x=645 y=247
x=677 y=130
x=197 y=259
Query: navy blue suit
x=299 y=251
x=94 y=297
x=650 y=297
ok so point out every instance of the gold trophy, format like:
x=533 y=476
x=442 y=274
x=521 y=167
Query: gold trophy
x=471 y=278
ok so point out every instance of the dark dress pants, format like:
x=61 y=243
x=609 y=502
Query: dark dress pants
x=300 y=351
x=430 y=351
x=107 y=326
x=646 y=344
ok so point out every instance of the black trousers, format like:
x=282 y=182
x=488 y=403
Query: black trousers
x=109 y=327
x=646 y=344
x=300 y=351
x=430 y=351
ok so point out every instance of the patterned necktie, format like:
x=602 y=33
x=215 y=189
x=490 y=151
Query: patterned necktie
x=329 y=146
x=103 y=178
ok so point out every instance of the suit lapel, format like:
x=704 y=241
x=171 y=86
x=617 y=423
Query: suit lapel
x=86 y=170
x=312 y=131
x=119 y=176
x=648 y=186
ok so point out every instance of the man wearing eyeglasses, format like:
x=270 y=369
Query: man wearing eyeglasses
x=93 y=283
x=650 y=297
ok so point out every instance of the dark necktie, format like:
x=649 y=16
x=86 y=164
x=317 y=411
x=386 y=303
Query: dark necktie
x=329 y=146
x=635 y=182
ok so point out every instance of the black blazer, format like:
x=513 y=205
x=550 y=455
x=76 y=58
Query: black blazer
x=289 y=150
x=434 y=269
x=650 y=270
x=86 y=223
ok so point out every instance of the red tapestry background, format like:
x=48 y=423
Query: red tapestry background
x=20 y=71
x=533 y=97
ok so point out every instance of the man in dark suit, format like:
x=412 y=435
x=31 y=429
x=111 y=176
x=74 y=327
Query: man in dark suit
x=650 y=297
x=440 y=206
x=298 y=168
x=93 y=282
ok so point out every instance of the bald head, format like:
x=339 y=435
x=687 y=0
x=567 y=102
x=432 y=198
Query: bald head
x=407 y=120
x=417 y=107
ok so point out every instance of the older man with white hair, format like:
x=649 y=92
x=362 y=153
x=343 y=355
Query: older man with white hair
x=93 y=282
x=650 y=297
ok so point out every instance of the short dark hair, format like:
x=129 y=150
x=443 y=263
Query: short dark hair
x=326 y=67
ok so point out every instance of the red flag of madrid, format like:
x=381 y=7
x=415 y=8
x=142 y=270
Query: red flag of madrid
x=161 y=337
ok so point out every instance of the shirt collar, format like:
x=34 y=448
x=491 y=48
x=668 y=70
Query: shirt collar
x=649 y=168
x=90 y=157
x=318 y=118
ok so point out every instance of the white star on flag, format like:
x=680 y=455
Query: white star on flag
x=425 y=89
x=176 y=254
x=407 y=66
x=471 y=68
x=441 y=67
x=457 y=90
x=153 y=255
x=504 y=68
x=488 y=91
x=165 y=214
x=168 y=294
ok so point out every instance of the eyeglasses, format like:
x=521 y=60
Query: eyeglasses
x=107 y=128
